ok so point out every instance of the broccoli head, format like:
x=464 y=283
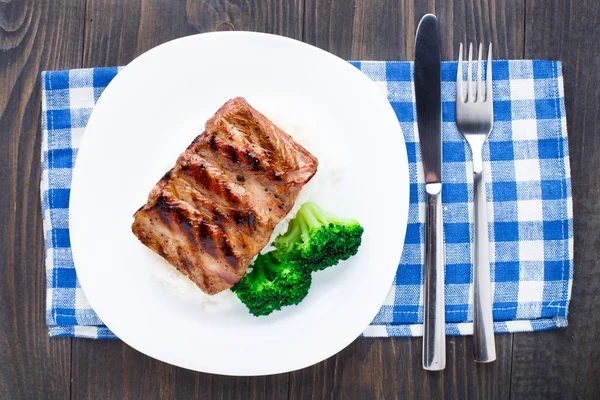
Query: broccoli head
x=272 y=284
x=318 y=239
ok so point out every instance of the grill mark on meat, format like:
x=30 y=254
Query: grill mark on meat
x=228 y=252
x=238 y=218
x=207 y=240
x=231 y=196
x=213 y=144
x=245 y=219
x=188 y=228
x=201 y=175
x=276 y=175
x=184 y=223
x=217 y=218
x=253 y=161
x=162 y=208
x=174 y=216
x=251 y=220
x=238 y=236
x=210 y=236
x=232 y=153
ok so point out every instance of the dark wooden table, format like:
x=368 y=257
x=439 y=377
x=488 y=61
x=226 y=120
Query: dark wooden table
x=59 y=34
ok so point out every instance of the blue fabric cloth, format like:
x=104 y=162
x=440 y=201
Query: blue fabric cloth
x=528 y=187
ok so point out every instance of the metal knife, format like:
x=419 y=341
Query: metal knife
x=427 y=78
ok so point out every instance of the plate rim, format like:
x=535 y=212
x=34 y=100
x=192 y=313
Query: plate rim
x=404 y=212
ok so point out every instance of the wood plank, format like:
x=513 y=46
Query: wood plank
x=495 y=21
x=391 y=369
x=110 y=369
x=120 y=372
x=33 y=37
x=384 y=30
x=566 y=363
x=117 y=32
x=361 y=30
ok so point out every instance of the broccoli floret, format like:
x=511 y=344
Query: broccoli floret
x=272 y=285
x=318 y=239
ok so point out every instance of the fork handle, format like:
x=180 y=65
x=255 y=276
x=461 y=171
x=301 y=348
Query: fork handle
x=483 y=323
x=434 y=320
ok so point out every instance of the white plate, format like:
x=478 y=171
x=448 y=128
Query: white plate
x=150 y=112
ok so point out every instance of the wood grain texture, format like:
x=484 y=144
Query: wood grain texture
x=110 y=369
x=33 y=37
x=115 y=33
x=385 y=30
x=565 y=364
x=496 y=21
x=361 y=30
x=118 y=31
x=391 y=369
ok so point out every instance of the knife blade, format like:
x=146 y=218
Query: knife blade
x=428 y=94
x=427 y=78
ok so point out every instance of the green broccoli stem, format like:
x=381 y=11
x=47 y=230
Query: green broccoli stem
x=308 y=215
x=316 y=217
x=259 y=267
x=305 y=225
x=267 y=267
x=292 y=235
x=310 y=218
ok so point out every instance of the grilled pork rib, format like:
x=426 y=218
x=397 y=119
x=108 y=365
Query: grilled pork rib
x=217 y=207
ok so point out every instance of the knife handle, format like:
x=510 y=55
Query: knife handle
x=434 y=320
x=484 y=346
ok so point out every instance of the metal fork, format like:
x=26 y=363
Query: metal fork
x=474 y=119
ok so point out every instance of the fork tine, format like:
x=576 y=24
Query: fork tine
x=489 y=96
x=479 y=68
x=459 y=79
x=470 y=86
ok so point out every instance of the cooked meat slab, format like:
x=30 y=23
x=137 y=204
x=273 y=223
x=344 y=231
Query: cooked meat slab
x=217 y=207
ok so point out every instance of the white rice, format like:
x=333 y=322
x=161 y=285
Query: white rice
x=331 y=168
x=181 y=286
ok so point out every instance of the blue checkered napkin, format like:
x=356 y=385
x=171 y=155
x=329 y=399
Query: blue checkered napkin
x=528 y=188
x=526 y=166
x=68 y=98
